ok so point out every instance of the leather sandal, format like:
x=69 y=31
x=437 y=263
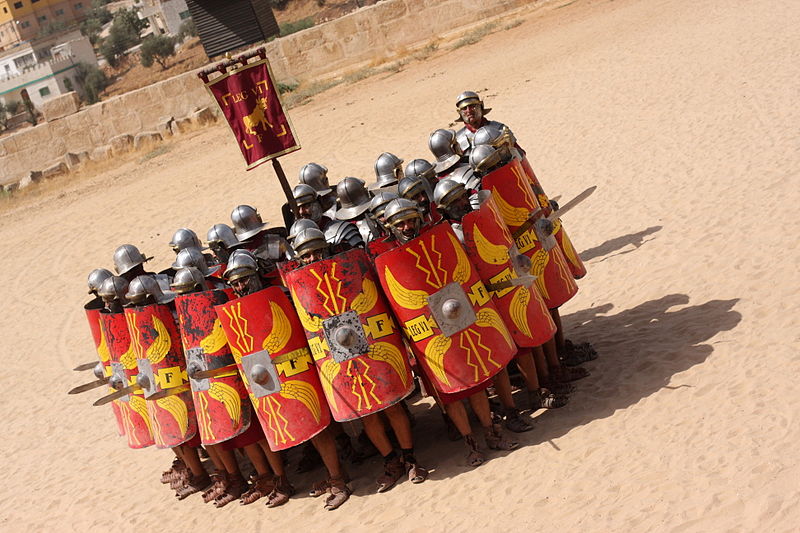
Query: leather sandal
x=393 y=470
x=194 y=484
x=338 y=493
x=544 y=399
x=233 y=489
x=282 y=491
x=261 y=486
x=516 y=423
x=475 y=456
x=495 y=440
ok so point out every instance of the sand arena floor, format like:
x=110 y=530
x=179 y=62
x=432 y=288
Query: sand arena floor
x=683 y=113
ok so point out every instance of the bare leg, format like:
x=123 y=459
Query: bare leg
x=274 y=459
x=192 y=460
x=458 y=415
x=258 y=459
x=527 y=368
x=376 y=431
x=542 y=372
x=400 y=424
x=197 y=479
x=551 y=354
x=559 y=336
x=326 y=447
x=514 y=422
x=480 y=406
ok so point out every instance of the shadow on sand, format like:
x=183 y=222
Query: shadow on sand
x=640 y=350
x=608 y=248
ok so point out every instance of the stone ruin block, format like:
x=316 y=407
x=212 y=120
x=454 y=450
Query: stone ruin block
x=145 y=139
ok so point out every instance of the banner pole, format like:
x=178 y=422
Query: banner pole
x=285 y=186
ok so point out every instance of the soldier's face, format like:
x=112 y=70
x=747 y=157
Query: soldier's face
x=312 y=256
x=472 y=114
x=405 y=230
x=422 y=201
x=246 y=285
x=311 y=211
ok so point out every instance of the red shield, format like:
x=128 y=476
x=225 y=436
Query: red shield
x=496 y=258
x=93 y=317
x=273 y=356
x=356 y=344
x=518 y=207
x=221 y=400
x=574 y=262
x=444 y=308
x=133 y=408
x=162 y=368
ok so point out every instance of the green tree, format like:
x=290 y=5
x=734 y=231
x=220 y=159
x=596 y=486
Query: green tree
x=91 y=28
x=188 y=28
x=125 y=33
x=92 y=79
x=157 y=48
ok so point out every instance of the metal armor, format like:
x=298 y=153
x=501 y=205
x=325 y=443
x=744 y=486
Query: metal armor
x=388 y=171
x=127 y=257
x=247 y=222
x=355 y=342
x=272 y=354
x=442 y=144
x=353 y=198
x=342 y=236
x=185 y=238
x=446 y=312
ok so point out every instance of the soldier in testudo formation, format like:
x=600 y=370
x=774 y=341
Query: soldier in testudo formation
x=444 y=272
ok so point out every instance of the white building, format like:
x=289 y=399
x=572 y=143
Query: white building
x=43 y=69
x=165 y=16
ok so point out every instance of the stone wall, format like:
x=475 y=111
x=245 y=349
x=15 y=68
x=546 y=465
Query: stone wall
x=367 y=37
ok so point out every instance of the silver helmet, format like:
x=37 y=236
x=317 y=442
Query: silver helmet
x=128 y=257
x=411 y=187
x=399 y=210
x=494 y=134
x=317 y=176
x=353 y=197
x=247 y=222
x=143 y=286
x=378 y=204
x=96 y=278
x=188 y=279
x=464 y=175
x=388 y=170
x=185 y=238
x=241 y=263
x=468 y=98
x=194 y=258
x=304 y=194
x=308 y=240
x=445 y=148
x=340 y=233
x=420 y=168
x=446 y=192
x=484 y=159
x=298 y=225
x=113 y=288
x=222 y=235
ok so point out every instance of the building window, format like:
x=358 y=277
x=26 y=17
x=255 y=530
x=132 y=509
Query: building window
x=79 y=5
x=25 y=24
x=34 y=1
x=5 y=9
x=42 y=18
x=44 y=91
x=185 y=15
x=59 y=12
x=18 y=5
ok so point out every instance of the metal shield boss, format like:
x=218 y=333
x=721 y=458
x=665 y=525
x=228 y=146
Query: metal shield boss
x=356 y=343
x=458 y=336
x=574 y=262
x=220 y=400
x=498 y=262
x=133 y=407
x=162 y=369
x=521 y=212
x=270 y=347
x=92 y=310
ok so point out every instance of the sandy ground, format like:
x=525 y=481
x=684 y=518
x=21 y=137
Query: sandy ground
x=683 y=113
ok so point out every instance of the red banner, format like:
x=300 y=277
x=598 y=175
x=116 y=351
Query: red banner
x=250 y=102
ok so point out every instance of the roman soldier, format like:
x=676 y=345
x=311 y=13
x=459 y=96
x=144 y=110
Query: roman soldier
x=267 y=340
x=309 y=205
x=354 y=201
x=222 y=242
x=448 y=153
x=388 y=171
x=458 y=337
x=357 y=348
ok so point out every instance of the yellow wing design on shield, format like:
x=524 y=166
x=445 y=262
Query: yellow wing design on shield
x=281 y=330
x=102 y=348
x=328 y=372
x=538 y=263
x=434 y=355
x=463 y=268
x=389 y=353
x=139 y=405
x=304 y=392
x=488 y=317
x=161 y=345
x=128 y=359
x=229 y=398
x=366 y=299
x=177 y=408
x=519 y=310
x=493 y=254
x=312 y=324
x=215 y=340
x=408 y=298
x=513 y=216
